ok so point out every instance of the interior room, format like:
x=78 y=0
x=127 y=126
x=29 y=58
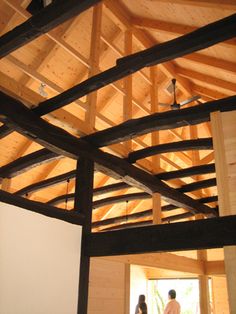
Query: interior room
x=118 y=156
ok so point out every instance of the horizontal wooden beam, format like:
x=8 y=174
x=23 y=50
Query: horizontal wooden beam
x=48 y=18
x=168 y=261
x=120 y=199
x=148 y=213
x=43 y=209
x=98 y=191
x=196 y=144
x=132 y=196
x=182 y=236
x=214 y=268
x=203 y=184
x=187 y=172
x=202 y=38
x=196 y=170
x=45 y=183
x=27 y=162
x=17 y=116
x=208 y=199
x=160 y=121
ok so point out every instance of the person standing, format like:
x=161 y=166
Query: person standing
x=141 y=307
x=173 y=306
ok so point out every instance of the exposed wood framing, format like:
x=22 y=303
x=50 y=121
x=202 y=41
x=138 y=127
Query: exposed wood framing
x=27 y=162
x=204 y=143
x=199 y=234
x=48 y=18
x=43 y=209
x=199 y=39
x=63 y=143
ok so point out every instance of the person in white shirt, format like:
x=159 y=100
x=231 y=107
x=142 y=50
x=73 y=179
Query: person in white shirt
x=173 y=306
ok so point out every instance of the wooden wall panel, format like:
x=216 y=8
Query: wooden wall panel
x=106 y=287
x=220 y=295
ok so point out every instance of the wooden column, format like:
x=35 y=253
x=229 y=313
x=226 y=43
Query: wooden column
x=204 y=298
x=224 y=142
x=94 y=62
x=127 y=289
x=83 y=203
x=127 y=102
x=156 y=198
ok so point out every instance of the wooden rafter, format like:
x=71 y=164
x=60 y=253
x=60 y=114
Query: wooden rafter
x=47 y=19
x=199 y=39
x=44 y=209
x=204 y=143
x=27 y=162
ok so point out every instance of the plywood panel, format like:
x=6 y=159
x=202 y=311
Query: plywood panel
x=220 y=295
x=106 y=287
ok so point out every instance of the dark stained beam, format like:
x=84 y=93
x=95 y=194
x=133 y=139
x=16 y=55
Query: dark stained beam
x=145 y=214
x=132 y=196
x=27 y=162
x=17 y=116
x=197 y=185
x=208 y=199
x=191 y=235
x=199 y=39
x=46 y=183
x=43 y=209
x=196 y=144
x=120 y=198
x=148 y=222
x=187 y=172
x=83 y=205
x=98 y=191
x=160 y=121
x=4 y=131
x=196 y=170
x=48 y=18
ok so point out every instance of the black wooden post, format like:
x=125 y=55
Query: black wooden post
x=83 y=203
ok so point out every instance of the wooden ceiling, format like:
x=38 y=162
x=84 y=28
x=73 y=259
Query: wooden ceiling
x=87 y=45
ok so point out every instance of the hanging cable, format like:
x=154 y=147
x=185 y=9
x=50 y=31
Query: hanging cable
x=67 y=190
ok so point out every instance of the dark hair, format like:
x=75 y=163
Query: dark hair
x=172 y=294
x=143 y=307
x=141 y=298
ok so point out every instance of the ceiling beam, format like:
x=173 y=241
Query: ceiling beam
x=203 y=78
x=43 y=209
x=47 y=19
x=182 y=236
x=160 y=121
x=26 y=122
x=202 y=38
x=223 y=4
x=171 y=28
x=164 y=261
x=219 y=64
x=27 y=162
x=197 y=144
x=197 y=170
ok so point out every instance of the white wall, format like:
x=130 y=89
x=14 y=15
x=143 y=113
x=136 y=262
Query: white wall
x=39 y=263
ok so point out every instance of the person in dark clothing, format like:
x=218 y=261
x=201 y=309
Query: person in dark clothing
x=141 y=307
